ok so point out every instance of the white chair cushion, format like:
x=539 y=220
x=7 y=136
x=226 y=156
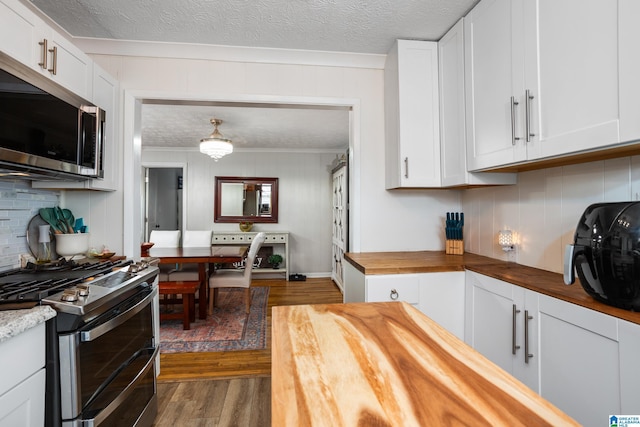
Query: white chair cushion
x=196 y=238
x=165 y=238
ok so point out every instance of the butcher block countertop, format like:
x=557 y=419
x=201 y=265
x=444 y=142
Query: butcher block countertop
x=387 y=364
x=535 y=279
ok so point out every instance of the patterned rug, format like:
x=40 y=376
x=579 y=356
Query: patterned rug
x=227 y=329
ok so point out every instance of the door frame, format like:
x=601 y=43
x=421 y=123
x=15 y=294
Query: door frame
x=145 y=191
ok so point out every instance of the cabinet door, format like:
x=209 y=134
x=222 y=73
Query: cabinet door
x=393 y=287
x=629 y=12
x=73 y=69
x=493 y=74
x=24 y=404
x=489 y=322
x=442 y=299
x=411 y=115
x=629 y=370
x=572 y=73
x=19 y=32
x=579 y=361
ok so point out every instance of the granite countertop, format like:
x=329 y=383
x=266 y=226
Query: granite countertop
x=14 y=322
x=388 y=364
x=535 y=279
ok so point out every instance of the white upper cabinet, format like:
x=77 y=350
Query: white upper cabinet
x=629 y=12
x=411 y=115
x=452 y=116
x=541 y=82
x=28 y=39
x=492 y=77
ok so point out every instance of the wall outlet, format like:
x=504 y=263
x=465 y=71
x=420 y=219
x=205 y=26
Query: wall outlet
x=26 y=258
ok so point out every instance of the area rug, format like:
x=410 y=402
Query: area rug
x=229 y=328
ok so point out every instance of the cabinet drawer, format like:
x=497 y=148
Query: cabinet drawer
x=276 y=238
x=393 y=287
x=229 y=238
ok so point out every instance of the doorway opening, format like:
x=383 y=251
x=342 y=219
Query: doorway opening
x=163 y=199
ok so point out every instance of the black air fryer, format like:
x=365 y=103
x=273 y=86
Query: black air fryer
x=606 y=254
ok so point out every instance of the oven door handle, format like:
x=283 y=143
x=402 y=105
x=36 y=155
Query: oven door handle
x=97 y=332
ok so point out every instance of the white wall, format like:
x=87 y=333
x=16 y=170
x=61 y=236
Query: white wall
x=407 y=220
x=543 y=209
x=304 y=193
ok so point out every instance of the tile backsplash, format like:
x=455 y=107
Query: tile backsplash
x=543 y=209
x=18 y=204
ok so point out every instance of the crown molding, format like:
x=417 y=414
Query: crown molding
x=93 y=46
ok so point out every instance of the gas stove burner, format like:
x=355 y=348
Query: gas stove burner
x=60 y=264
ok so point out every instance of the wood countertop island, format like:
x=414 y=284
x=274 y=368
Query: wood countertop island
x=387 y=364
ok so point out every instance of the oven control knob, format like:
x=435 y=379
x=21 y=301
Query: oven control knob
x=83 y=290
x=70 y=295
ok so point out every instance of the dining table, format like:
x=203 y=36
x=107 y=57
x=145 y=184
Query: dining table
x=201 y=256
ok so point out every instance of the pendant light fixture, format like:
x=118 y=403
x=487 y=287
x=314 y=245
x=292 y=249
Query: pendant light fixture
x=215 y=145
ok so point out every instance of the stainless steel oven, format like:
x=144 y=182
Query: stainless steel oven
x=107 y=375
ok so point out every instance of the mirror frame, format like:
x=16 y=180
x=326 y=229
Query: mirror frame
x=217 y=206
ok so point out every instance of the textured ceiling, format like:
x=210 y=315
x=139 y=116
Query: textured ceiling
x=364 y=26
x=249 y=127
x=358 y=26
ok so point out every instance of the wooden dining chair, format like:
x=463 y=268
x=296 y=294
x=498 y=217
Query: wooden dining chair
x=191 y=239
x=165 y=239
x=236 y=278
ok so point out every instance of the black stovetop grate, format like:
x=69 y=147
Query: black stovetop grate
x=28 y=286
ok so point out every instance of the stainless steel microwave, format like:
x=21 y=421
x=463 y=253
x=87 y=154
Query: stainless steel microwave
x=47 y=132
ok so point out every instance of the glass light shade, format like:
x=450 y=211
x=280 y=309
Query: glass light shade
x=216 y=148
x=505 y=239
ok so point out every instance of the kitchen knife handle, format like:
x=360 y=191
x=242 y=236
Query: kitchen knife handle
x=514 y=138
x=514 y=347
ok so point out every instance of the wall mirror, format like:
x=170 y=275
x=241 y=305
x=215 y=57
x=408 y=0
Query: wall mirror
x=245 y=199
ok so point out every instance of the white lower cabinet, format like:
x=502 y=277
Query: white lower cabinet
x=22 y=386
x=496 y=326
x=438 y=295
x=582 y=361
x=579 y=361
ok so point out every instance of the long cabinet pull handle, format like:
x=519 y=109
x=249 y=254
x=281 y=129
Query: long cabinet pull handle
x=54 y=60
x=514 y=138
x=406 y=167
x=514 y=347
x=43 y=54
x=527 y=355
x=527 y=108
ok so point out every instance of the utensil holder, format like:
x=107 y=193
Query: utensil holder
x=454 y=247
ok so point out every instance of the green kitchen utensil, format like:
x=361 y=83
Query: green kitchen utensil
x=69 y=219
x=48 y=214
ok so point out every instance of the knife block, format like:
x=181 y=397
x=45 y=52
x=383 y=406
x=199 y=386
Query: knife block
x=454 y=247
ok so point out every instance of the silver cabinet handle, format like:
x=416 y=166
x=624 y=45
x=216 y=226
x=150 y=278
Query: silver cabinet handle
x=514 y=138
x=527 y=355
x=54 y=59
x=406 y=167
x=394 y=294
x=43 y=54
x=514 y=347
x=527 y=110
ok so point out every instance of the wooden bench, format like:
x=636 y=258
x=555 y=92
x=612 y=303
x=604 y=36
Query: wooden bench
x=188 y=290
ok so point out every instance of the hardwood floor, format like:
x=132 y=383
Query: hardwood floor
x=231 y=388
